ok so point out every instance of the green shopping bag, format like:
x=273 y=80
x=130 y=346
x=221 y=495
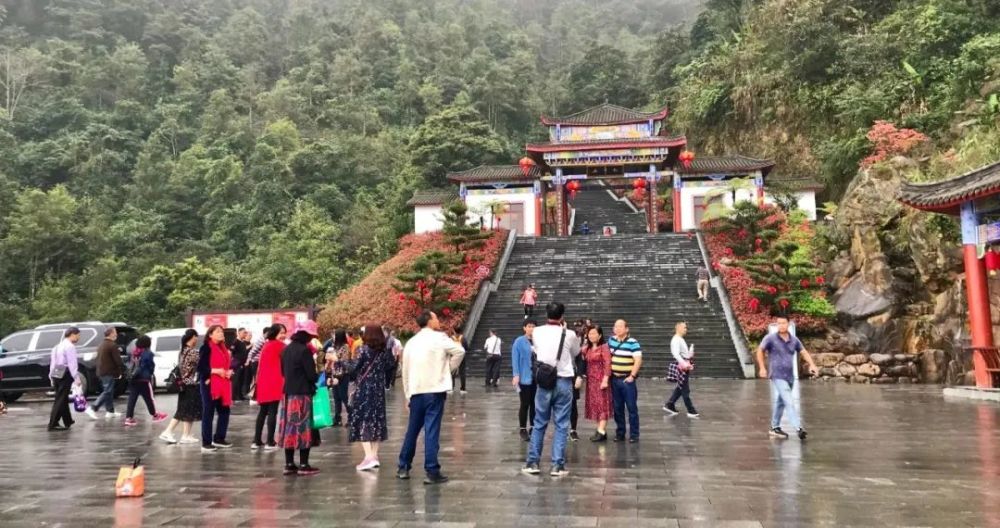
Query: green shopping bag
x=321 y=405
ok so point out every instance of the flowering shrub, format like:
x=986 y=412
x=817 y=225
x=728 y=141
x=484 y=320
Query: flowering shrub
x=376 y=300
x=887 y=141
x=805 y=302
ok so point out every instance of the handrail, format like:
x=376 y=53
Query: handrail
x=489 y=286
x=735 y=331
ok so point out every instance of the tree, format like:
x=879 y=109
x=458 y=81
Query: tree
x=20 y=70
x=780 y=276
x=427 y=284
x=605 y=74
x=752 y=229
x=457 y=230
x=453 y=139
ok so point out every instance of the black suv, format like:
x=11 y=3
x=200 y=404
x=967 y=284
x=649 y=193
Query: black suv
x=25 y=355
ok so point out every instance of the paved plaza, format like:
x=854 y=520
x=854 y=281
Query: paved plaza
x=877 y=456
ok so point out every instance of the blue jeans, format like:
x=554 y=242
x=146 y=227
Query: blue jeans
x=425 y=413
x=781 y=401
x=557 y=402
x=208 y=409
x=625 y=395
x=107 y=397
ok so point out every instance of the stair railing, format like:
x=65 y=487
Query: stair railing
x=735 y=331
x=487 y=287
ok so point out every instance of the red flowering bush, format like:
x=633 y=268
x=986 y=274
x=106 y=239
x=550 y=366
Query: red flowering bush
x=375 y=298
x=751 y=310
x=887 y=141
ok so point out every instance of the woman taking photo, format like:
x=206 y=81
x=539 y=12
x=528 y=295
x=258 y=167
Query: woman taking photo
x=296 y=417
x=215 y=373
x=598 y=399
x=368 y=423
x=270 y=385
x=189 y=397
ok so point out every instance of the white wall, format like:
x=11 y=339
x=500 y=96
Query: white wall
x=427 y=218
x=806 y=202
x=478 y=203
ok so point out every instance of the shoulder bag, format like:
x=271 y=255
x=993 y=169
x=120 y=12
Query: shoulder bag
x=547 y=375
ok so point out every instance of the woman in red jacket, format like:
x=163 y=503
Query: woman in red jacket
x=270 y=386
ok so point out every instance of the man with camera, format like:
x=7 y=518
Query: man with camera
x=555 y=349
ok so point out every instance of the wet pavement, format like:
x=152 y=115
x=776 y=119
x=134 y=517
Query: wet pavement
x=876 y=456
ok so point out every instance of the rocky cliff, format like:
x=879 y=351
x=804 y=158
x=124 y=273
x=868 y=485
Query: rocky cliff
x=899 y=281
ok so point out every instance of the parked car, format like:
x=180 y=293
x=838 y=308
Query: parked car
x=24 y=356
x=166 y=345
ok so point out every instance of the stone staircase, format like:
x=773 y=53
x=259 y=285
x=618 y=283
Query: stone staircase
x=645 y=279
x=595 y=206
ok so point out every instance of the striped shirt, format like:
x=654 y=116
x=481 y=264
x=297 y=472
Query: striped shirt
x=623 y=354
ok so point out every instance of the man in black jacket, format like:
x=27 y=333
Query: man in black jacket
x=240 y=352
x=110 y=368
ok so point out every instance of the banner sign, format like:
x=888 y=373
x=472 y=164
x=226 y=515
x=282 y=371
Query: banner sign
x=253 y=321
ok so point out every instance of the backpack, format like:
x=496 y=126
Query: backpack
x=132 y=368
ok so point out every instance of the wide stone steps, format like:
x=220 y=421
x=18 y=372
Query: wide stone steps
x=598 y=209
x=645 y=279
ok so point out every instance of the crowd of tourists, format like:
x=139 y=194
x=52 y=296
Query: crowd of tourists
x=301 y=385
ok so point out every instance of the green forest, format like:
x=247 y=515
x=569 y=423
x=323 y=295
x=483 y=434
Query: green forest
x=157 y=155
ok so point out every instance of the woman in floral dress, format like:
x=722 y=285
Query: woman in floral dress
x=367 y=417
x=598 y=402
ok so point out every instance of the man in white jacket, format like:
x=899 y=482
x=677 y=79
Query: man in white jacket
x=682 y=358
x=492 y=348
x=429 y=358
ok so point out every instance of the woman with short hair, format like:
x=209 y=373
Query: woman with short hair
x=189 y=397
x=296 y=414
x=368 y=421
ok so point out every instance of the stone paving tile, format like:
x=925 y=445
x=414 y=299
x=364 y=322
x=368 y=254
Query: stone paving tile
x=877 y=456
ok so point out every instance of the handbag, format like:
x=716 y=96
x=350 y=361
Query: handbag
x=131 y=481
x=321 y=405
x=357 y=382
x=547 y=375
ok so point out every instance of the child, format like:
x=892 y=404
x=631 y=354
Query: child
x=140 y=369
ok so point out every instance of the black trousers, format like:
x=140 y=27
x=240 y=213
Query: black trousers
x=492 y=368
x=267 y=411
x=529 y=310
x=527 y=409
x=682 y=390
x=460 y=375
x=574 y=414
x=239 y=378
x=340 y=398
x=250 y=374
x=136 y=389
x=60 y=407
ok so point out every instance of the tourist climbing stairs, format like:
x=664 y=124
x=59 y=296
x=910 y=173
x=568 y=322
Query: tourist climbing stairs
x=646 y=279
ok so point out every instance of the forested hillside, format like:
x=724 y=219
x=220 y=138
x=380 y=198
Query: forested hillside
x=162 y=154
x=157 y=155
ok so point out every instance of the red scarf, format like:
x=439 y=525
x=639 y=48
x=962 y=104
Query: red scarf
x=220 y=387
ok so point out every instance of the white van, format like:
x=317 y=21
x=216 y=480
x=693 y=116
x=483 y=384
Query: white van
x=166 y=345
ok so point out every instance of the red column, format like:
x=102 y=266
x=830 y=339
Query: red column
x=677 y=203
x=561 y=209
x=538 y=215
x=654 y=216
x=977 y=293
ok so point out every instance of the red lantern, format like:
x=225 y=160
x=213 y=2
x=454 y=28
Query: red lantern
x=526 y=164
x=686 y=158
x=573 y=186
x=992 y=260
x=639 y=183
x=804 y=283
x=783 y=303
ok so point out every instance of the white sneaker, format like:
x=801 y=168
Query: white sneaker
x=367 y=464
x=694 y=415
x=112 y=415
x=253 y=403
x=90 y=412
x=190 y=440
x=255 y=446
x=168 y=438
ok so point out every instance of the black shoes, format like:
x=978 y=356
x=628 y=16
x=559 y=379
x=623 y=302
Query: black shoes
x=530 y=468
x=222 y=444
x=403 y=474
x=802 y=434
x=525 y=436
x=573 y=436
x=670 y=409
x=599 y=437
x=558 y=470
x=436 y=478
x=778 y=433
x=290 y=469
x=633 y=440
x=306 y=470
x=619 y=438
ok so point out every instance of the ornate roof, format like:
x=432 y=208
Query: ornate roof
x=495 y=173
x=599 y=144
x=726 y=165
x=432 y=197
x=605 y=114
x=947 y=195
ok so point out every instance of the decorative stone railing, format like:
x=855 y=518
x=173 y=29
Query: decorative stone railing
x=489 y=286
x=735 y=332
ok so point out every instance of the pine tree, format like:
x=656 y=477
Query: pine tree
x=753 y=229
x=427 y=285
x=782 y=276
x=457 y=230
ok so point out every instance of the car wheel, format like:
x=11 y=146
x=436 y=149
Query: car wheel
x=11 y=397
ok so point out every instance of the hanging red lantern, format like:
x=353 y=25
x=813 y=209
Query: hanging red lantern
x=686 y=158
x=992 y=261
x=573 y=186
x=754 y=304
x=804 y=283
x=772 y=290
x=783 y=303
x=639 y=183
x=526 y=165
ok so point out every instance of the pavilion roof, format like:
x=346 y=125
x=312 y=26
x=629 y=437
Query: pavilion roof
x=726 y=165
x=495 y=173
x=598 y=144
x=605 y=114
x=432 y=197
x=946 y=196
